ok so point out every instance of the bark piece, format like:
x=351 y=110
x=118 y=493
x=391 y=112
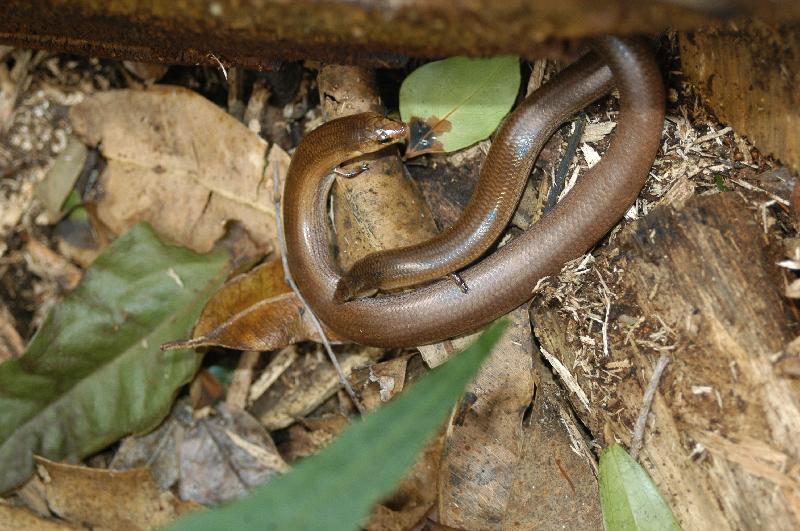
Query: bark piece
x=700 y=284
x=258 y=34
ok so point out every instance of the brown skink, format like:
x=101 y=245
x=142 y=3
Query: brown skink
x=504 y=279
x=491 y=206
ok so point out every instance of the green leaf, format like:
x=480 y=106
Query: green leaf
x=629 y=498
x=94 y=371
x=456 y=102
x=335 y=489
x=72 y=204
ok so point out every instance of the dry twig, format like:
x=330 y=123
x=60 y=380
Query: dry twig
x=647 y=401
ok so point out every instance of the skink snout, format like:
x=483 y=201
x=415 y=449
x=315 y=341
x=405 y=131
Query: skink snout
x=383 y=131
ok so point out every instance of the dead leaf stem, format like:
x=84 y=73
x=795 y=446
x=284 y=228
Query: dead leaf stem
x=276 y=180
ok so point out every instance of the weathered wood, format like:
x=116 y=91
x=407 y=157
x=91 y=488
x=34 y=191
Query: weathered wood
x=749 y=73
x=258 y=33
x=700 y=284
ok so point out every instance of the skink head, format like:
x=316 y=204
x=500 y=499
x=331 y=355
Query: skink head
x=380 y=131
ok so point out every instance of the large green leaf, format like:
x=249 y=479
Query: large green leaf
x=335 y=489
x=456 y=102
x=94 y=371
x=629 y=498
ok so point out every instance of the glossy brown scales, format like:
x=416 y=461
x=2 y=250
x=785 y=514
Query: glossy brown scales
x=491 y=206
x=504 y=279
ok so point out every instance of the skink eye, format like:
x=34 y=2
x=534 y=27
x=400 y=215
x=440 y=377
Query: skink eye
x=384 y=138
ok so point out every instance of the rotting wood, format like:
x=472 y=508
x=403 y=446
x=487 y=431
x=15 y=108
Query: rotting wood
x=379 y=208
x=723 y=442
x=749 y=74
x=261 y=34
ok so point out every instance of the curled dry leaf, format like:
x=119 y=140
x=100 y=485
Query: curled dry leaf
x=225 y=454
x=483 y=446
x=178 y=161
x=210 y=459
x=254 y=311
x=112 y=499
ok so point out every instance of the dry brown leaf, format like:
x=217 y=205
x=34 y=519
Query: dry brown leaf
x=484 y=439
x=414 y=497
x=14 y=518
x=213 y=455
x=223 y=455
x=180 y=162
x=254 y=311
x=114 y=499
x=554 y=484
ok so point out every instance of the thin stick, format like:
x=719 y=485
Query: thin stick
x=647 y=401
x=276 y=194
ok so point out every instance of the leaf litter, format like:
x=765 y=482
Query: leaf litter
x=305 y=400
